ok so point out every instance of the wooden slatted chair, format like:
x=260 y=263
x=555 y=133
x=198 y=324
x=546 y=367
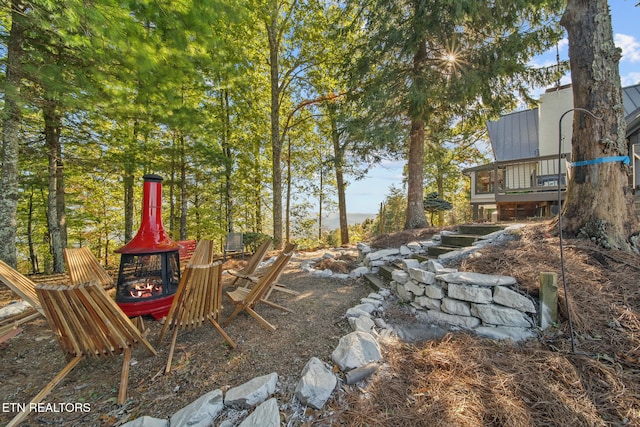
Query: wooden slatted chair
x=252 y=265
x=86 y=322
x=25 y=289
x=197 y=299
x=252 y=278
x=245 y=299
x=83 y=267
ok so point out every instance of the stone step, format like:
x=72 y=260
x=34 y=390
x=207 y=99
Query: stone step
x=479 y=229
x=459 y=240
x=434 y=251
x=375 y=281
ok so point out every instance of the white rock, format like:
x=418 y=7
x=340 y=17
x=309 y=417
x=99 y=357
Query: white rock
x=405 y=250
x=451 y=319
x=414 y=287
x=434 y=291
x=362 y=324
x=453 y=306
x=477 y=294
x=355 y=350
x=14 y=309
x=470 y=278
x=383 y=253
x=408 y=263
x=146 y=421
x=265 y=415
x=400 y=276
x=510 y=298
x=422 y=276
x=428 y=303
x=201 y=412
x=359 y=271
x=498 y=315
x=504 y=332
x=374 y=302
x=403 y=294
x=252 y=392
x=356 y=312
x=375 y=295
x=316 y=385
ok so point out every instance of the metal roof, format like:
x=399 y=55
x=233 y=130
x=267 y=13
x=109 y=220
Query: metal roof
x=631 y=100
x=515 y=135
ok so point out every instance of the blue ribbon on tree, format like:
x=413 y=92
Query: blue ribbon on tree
x=624 y=159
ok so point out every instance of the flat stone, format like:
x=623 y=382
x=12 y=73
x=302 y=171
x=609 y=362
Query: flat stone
x=363 y=248
x=480 y=295
x=470 y=278
x=375 y=295
x=414 y=287
x=403 y=294
x=504 y=333
x=498 y=315
x=408 y=263
x=316 y=385
x=359 y=271
x=422 y=276
x=434 y=291
x=252 y=392
x=362 y=324
x=146 y=421
x=452 y=306
x=428 y=303
x=374 y=302
x=451 y=319
x=383 y=253
x=355 y=350
x=356 y=312
x=405 y=250
x=201 y=412
x=265 y=415
x=510 y=298
x=400 y=276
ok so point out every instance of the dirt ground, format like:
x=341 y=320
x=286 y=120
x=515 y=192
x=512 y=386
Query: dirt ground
x=459 y=380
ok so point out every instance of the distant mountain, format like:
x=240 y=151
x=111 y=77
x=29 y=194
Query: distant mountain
x=332 y=221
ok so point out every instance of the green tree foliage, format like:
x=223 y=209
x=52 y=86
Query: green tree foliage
x=433 y=204
x=424 y=63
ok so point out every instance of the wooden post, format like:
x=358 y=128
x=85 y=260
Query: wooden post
x=548 y=299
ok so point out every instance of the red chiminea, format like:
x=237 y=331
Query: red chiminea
x=150 y=262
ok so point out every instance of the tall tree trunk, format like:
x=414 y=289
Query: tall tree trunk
x=183 y=189
x=338 y=153
x=11 y=135
x=32 y=252
x=287 y=221
x=52 y=127
x=61 y=199
x=415 y=217
x=228 y=158
x=597 y=193
x=276 y=143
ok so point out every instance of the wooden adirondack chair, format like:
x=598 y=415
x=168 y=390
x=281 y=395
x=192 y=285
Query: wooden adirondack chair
x=86 y=322
x=83 y=267
x=25 y=289
x=197 y=299
x=250 y=268
x=245 y=299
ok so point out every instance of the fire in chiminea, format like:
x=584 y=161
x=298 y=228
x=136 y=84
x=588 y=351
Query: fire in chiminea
x=150 y=263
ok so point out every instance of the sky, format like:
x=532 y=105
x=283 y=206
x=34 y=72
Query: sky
x=365 y=196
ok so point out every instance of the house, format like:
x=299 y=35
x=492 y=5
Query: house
x=528 y=169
